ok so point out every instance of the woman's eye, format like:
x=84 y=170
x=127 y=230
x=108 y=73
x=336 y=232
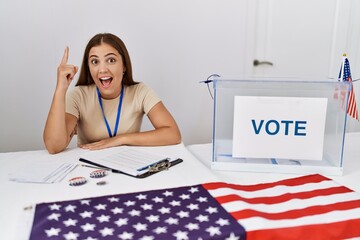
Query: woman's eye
x=111 y=60
x=94 y=61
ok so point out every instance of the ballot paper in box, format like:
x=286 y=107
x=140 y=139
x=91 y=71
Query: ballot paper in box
x=288 y=126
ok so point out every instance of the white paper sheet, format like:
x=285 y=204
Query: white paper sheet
x=42 y=172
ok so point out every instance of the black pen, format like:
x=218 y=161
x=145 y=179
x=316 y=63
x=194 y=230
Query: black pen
x=176 y=161
x=89 y=166
x=153 y=164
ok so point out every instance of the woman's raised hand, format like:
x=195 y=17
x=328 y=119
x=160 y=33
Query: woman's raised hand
x=66 y=72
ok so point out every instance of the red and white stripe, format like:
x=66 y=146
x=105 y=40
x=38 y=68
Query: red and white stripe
x=308 y=207
x=352 y=109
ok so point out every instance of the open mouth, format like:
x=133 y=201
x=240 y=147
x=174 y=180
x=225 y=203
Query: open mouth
x=106 y=81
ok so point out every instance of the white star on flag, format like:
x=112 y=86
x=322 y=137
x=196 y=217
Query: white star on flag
x=152 y=218
x=122 y=222
x=114 y=199
x=52 y=232
x=86 y=214
x=117 y=210
x=164 y=210
x=126 y=236
x=146 y=206
x=88 y=227
x=54 y=216
x=70 y=208
x=85 y=202
x=71 y=236
x=106 y=232
x=192 y=226
x=70 y=222
x=181 y=235
x=160 y=230
x=158 y=199
x=140 y=227
x=100 y=207
x=183 y=214
x=172 y=221
x=54 y=207
x=103 y=218
x=213 y=231
x=141 y=197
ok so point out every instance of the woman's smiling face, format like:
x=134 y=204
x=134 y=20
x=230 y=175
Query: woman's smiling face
x=107 y=70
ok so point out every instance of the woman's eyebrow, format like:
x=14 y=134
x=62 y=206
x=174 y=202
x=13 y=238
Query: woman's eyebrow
x=109 y=54
x=106 y=55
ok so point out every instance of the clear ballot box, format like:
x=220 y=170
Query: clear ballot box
x=280 y=126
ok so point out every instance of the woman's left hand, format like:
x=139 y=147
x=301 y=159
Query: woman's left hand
x=105 y=143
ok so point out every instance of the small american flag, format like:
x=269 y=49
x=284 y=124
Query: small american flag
x=345 y=76
x=307 y=207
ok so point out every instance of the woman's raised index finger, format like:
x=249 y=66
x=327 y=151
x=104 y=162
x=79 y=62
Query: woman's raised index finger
x=66 y=56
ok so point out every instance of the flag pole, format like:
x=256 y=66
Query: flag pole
x=341 y=79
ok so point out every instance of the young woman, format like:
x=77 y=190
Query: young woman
x=106 y=107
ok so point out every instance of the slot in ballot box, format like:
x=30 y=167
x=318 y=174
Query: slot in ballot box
x=286 y=126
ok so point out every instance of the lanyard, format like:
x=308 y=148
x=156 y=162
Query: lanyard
x=118 y=113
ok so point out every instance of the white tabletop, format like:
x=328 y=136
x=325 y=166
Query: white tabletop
x=194 y=170
x=16 y=196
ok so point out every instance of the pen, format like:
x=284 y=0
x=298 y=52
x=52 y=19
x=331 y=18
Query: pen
x=153 y=164
x=176 y=161
x=83 y=165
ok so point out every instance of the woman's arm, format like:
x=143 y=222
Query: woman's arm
x=59 y=127
x=166 y=132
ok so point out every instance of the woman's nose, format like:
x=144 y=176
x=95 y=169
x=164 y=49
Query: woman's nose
x=103 y=68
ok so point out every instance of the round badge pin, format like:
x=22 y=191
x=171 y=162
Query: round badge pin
x=98 y=173
x=77 y=181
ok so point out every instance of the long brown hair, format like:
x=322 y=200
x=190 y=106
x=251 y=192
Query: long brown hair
x=85 y=76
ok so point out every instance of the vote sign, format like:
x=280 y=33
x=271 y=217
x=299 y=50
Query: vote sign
x=279 y=127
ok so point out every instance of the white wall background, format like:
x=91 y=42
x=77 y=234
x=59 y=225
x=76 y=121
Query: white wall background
x=173 y=45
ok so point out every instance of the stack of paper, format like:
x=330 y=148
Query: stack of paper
x=42 y=172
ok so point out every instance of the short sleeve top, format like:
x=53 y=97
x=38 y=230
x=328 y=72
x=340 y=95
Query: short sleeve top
x=83 y=103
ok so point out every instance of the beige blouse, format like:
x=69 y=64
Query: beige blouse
x=83 y=103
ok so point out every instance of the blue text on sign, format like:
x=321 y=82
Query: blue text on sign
x=273 y=127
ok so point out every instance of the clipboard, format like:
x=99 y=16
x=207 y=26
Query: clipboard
x=150 y=170
x=132 y=161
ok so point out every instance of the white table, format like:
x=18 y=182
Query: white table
x=194 y=170
x=15 y=196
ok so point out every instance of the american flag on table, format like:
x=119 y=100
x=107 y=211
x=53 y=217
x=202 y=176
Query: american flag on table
x=307 y=207
x=345 y=76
